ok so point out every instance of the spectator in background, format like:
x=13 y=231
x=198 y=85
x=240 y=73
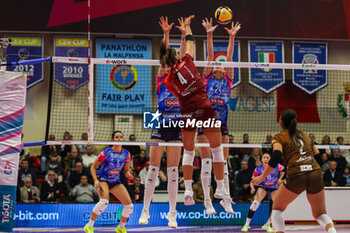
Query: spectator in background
x=137 y=190
x=75 y=176
x=344 y=152
x=29 y=193
x=143 y=175
x=65 y=149
x=245 y=151
x=47 y=150
x=233 y=160
x=341 y=161
x=82 y=147
x=134 y=150
x=325 y=163
x=268 y=141
x=346 y=176
x=84 y=192
x=71 y=160
x=313 y=138
x=255 y=159
x=333 y=176
x=243 y=179
x=232 y=151
x=55 y=165
x=89 y=157
x=326 y=140
x=198 y=194
x=140 y=161
x=26 y=172
x=25 y=151
x=51 y=190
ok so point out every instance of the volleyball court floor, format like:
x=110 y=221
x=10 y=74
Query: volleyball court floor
x=186 y=229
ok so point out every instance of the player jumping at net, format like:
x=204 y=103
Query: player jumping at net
x=185 y=83
x=107 y=180
x=270 y=184
x=303 y=173
x=218 y=82
x=169 y=106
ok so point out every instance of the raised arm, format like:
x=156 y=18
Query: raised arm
x=189 y=36
x=231 y=44
x=183 y=40
x=207 y=24
x=163 y=22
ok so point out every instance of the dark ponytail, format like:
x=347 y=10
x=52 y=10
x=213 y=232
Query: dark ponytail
x=289 y=119
x=167 y=56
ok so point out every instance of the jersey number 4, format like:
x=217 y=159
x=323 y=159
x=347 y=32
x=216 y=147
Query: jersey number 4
x=181 y=78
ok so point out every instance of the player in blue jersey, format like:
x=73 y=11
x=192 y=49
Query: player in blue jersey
x=218 y=82
x=270 y=184
x=169 y=106
x=110 y=162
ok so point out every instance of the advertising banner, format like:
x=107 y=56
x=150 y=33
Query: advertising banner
x=12 y=99
x=71 y=75
x=123 y=88
x=266 y=79
x=310 y=80
x=27 y=48
x=220 y=55
x=52 y=215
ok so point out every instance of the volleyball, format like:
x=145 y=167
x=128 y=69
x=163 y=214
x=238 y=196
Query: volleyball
x=223 y=15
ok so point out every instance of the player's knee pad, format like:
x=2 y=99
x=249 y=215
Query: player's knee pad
x=152 y=174
x=218 y=154
x=188 y=158
x=255 y=205
x=206 y=168
x=127 y=210
x=173 y=175
x=277 y=218
x=324 y=220
x=100 y=206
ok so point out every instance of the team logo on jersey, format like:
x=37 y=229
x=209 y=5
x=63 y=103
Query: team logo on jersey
x=123 y=77
x=113 y=172
x=151 y=120
x=343 y=102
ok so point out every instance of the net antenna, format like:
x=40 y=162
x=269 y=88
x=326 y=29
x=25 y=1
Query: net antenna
x=4 y=43
x=90 y=81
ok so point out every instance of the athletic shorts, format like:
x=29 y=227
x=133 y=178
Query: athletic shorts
x=268 y=189
x=110 y=185
x=224 y=130
x=200 y=109
x=167 y=134
x=311 y=181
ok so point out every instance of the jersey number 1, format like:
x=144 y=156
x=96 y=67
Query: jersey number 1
x=301 y=147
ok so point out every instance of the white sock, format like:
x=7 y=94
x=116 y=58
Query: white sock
x=268 y=222
x=152 y=176
x=173 y=183
x=220 y=184
x=121 y=224
x=226 y=179
x=91 y=223
x=188 y=185
x=277 y=218
x=324 y=220
x=332 y=230
x=247 y=221
x=206 y=177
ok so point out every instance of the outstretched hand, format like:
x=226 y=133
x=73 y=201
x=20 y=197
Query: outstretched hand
x=234 y=29
x=165 y=25
x=181 y=27
x=207 y=24
x=188 y=19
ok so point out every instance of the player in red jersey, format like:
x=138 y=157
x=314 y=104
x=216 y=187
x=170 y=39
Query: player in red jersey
x=196 y=111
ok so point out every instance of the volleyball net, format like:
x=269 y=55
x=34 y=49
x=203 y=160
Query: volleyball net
x=121 y=94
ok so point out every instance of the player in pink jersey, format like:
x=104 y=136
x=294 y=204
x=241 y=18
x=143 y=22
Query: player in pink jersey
x=218 y=82
x=110 y=162
x=186 y=84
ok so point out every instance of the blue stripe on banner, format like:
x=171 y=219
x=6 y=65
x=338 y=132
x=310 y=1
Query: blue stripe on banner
x=54 y=215
x=7 y=200
x=11 y=121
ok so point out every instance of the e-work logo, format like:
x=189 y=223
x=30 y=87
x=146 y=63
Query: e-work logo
x=152 y=120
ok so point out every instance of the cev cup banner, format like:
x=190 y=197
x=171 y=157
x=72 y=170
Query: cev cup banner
x=265 y=78
x=310 y=80
x=220 y=55
x=27 y=48
x=70 y=75
x=123 y=88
